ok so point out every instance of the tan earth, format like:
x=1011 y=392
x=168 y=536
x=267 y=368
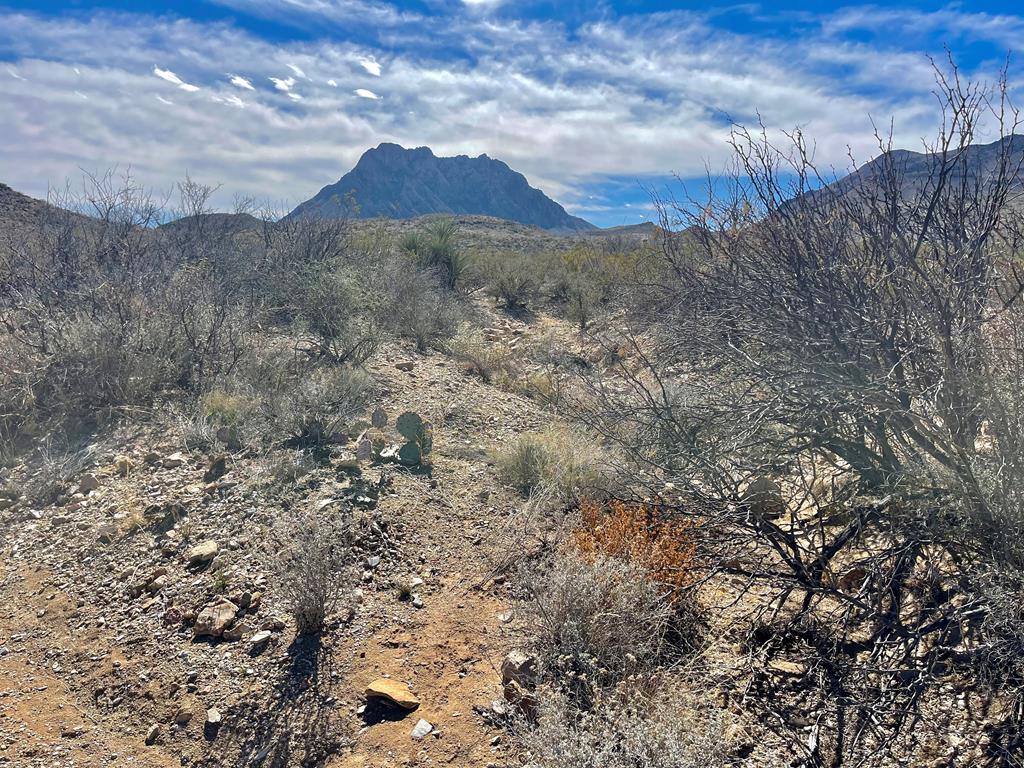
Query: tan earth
x=99 y=665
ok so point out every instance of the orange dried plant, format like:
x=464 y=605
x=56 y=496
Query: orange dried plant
x=641 y=534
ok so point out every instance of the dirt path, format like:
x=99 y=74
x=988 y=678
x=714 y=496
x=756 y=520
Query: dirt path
x=95 y=657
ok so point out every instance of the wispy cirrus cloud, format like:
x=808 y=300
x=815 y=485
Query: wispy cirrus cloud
x=241 y=82
x=371 y=65
x=631 y=98
x=170 y=77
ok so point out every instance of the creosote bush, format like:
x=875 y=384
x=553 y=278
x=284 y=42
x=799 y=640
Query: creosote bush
x=513 y=280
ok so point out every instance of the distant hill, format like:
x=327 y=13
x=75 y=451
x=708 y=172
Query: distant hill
x=914 y=169
x=393 y=182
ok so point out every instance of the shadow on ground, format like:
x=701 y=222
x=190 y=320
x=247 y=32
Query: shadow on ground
x=297 y=725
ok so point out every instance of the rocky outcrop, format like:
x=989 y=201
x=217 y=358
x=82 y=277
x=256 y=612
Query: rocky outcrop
x=393 y=182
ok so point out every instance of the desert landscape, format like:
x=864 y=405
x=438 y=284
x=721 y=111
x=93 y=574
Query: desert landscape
x=429 y=470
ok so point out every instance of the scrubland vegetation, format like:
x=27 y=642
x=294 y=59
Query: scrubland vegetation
x=791 y=427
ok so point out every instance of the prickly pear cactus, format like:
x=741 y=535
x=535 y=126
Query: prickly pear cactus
x=379 y=419
x=418 y=436
x=409 y=425
x=364 y=451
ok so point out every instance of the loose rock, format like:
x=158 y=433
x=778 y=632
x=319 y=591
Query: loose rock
x=203 y=553
x=215 y=618
x=393 y=691
x=421 y=730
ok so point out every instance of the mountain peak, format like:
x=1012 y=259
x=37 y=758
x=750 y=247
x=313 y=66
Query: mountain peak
x=394 y=182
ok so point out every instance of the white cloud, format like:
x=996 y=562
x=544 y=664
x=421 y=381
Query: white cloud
x=370 y=64
x=170 y=77
x=298 y=71
x=628 y=98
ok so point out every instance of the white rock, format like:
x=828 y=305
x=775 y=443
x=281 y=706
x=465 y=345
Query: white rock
x=422 y=730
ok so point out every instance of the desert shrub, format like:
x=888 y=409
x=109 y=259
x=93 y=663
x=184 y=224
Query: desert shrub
x=482 y=358
x=330 y=304
x=285 y=467
x=1000 y=654
x=589 y=279
x=553 y=463
x=437 y=251
x=664 y=548
x=313 y=559
x=98 y=360
x=512 y=279
x=418 y=307
x=197 y=431
x=666 y=730
x=311 y=405
x=56 y=464
x=226 y=408
x=594 y=622
x=542 y=387
x=868 y=329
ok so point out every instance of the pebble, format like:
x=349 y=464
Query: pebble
x=421 y=730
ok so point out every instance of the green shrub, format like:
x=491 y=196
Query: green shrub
x=438 y=251
x=513 y=280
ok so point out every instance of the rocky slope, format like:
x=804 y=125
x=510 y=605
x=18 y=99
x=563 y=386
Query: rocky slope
x=394 y=182
x=141 y=622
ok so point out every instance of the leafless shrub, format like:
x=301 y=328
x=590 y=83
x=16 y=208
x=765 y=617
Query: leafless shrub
x=314 y=555
x=419 y=307
x=861 y=336
x=594 y=622
x=310 y=405
x=666 y=730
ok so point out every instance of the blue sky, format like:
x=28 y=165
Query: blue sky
x=594 y=101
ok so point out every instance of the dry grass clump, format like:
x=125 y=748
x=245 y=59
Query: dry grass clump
x=639 y=533
x=556 y=464
x=489 y=361
x=595 y=622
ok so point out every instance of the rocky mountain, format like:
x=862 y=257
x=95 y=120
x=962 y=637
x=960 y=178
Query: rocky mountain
x=915 y=169
x=393 y=182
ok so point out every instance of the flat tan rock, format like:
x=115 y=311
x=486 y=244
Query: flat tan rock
x=394 y=691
